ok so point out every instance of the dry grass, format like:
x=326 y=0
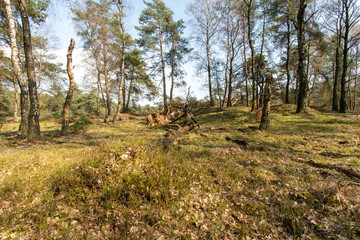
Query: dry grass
x=109 y=182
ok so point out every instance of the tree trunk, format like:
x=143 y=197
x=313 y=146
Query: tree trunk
x=122 y=80
x=172 y=68
x=24 y=108
x=230 y=89
x=34 y=113
x=265 y=117
x=121 y=86
x=356 y=77
x=259 y=96
x=301 y=72
x=67 y=104
x=17 y=71
x=16 y=100
x=335 y=100
x=163 y=70
x=209 y=71
x=128 y=97
x=98 y=99
x=249 y=5
x=345 y=59
x=288 y=47
x=245 y=63
x=108 y=100
x=227 y=58
x=102 y=93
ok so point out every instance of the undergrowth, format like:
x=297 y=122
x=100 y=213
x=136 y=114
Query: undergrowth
x=114 y=182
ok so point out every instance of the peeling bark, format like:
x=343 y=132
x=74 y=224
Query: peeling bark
x=67 y=104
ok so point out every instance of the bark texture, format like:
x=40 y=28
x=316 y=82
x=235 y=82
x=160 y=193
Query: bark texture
x=265 y=117
x=67 y=104
x=301 y=71
x=17 y=71
x=33 y=131
x=343 y=105
x=123 y=48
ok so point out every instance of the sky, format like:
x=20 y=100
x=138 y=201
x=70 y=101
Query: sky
x=59 y=26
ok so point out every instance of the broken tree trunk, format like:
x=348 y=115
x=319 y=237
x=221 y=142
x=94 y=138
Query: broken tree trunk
x=67 y=104
x=172 y=135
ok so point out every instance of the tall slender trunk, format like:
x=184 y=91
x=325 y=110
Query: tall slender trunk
x=227 y=57
x=348 y=95
x=34 y=112
x=308 y=45
x=102 y=93
x=69 y=96
x=129 y=94
x=335 y=100
x=288 y=35
x=245 y=63
x=124 y=94
x=121 y=85
x=16 y=100
x=265 y=117
x=261 y=85
x=172 y=68
x=122 y=79
x=163 y=70
x=301 y=71
x=108 y=100
x=98 y=98
x=345 y=58
x=17 y=71
x=208 y=54
x=356 y=77
x=249 y=6
x=230 y=96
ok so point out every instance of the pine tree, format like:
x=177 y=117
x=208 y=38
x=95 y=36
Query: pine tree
x=152 y=30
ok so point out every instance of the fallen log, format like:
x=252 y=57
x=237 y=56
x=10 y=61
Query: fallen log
x=161 y=118
x=172 y=134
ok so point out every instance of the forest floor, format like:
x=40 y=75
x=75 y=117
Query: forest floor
x=297 y=181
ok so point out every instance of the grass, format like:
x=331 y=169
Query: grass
x=114 y=182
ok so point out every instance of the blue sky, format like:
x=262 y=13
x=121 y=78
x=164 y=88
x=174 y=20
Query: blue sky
x=61 y=26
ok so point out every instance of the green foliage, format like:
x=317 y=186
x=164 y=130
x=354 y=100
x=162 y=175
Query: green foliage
x=51 y=103
x=2 y=120
x=37 y=10
x=84 y=103
x=80 y=125
x=6 y=101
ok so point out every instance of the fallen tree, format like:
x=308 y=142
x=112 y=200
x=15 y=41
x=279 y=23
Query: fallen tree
x=170 y=122
x=175 y=131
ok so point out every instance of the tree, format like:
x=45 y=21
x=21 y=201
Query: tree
x=179 y=48
x=152 y=30
x=350 y=19
x=92 y=23
x=333 y=23
x=122 y=64
x=33 y=131
x=232 y=28
x=205 y=24
x=69 y=96
x=280 y=12
x=139 y=80
x=265 y=117
x=248 y=13
x=301 y=48
x=17 y=70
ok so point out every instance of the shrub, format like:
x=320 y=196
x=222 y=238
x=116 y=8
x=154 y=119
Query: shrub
x=82 y=124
